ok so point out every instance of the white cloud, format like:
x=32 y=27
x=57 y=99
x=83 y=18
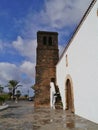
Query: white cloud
x=62 y=13
x=56 y=15
x=26 y=47
x=28 y=68
x=1 y=45
x=6 y=47
x=8 y=72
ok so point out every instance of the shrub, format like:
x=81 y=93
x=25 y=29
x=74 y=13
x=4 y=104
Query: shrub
x=3 y=98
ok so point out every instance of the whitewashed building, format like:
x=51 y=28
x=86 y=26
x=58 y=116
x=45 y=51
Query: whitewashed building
x=77 y=69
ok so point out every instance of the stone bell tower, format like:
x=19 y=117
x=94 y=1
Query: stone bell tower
x=46 y=60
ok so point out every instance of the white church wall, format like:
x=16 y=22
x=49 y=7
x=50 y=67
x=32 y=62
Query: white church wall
x=83 y=68
x=60 y=73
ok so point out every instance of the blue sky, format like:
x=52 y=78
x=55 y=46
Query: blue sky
x=19 y=22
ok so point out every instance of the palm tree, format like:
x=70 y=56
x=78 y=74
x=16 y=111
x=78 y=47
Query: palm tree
x=13 y=85
x=1 y=89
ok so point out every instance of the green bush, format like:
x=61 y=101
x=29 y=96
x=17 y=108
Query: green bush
x=3 y=98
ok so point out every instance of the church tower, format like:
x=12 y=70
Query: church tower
x=46 y=60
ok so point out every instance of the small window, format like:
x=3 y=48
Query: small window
x=97 y=12
x=66 y=61
x=50 y=41
x=44 y=40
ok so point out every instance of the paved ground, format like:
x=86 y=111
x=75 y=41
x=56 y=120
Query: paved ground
x=22 y=116
x=2 y=107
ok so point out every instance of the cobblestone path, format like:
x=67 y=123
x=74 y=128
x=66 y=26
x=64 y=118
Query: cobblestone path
x=22 y=116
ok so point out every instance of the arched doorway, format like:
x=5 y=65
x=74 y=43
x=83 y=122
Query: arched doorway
x=69 y=96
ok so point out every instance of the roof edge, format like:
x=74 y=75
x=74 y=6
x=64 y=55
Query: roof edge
x=78 y=27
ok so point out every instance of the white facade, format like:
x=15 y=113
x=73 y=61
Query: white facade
x=52 y=97
x=82 y=58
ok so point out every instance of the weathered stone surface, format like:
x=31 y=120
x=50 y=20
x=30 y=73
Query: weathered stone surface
x=47 y=58
x=23 y=116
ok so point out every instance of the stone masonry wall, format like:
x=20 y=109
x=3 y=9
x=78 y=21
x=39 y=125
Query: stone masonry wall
x=47 y=58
